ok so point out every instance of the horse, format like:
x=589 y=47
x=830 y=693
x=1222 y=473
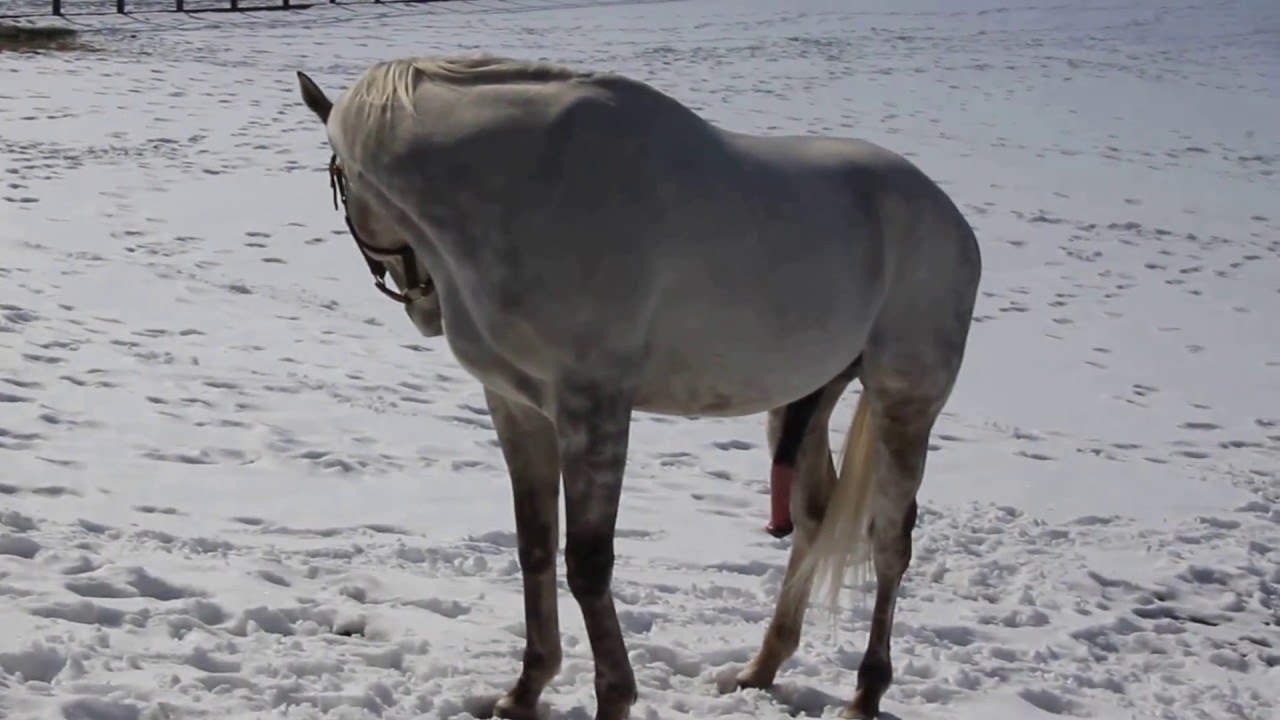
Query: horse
x=590 y=247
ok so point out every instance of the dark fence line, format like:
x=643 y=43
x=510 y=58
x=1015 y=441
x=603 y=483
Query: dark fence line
x=62 y=8
x=181 y=6
x=178 y=6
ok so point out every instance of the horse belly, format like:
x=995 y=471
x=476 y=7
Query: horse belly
x=737 y=363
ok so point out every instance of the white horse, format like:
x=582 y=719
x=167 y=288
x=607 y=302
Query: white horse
x=590 y=247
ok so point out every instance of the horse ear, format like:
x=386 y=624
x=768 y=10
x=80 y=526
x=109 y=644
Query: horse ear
x=314 y=97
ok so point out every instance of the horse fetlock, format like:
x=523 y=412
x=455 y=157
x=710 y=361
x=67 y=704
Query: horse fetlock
x=521 y=701
x=542 y=664
x=516 y=705
x=758 y=674
x=865 y=706
x=856 y=711
x=613 y=712
x=780 y=642
x=874 y=677
x=615 y=693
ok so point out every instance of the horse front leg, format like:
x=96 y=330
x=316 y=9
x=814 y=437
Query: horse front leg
x=593 y=423
x=528 y=441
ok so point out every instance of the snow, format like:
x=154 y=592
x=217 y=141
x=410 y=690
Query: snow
x=235 y=483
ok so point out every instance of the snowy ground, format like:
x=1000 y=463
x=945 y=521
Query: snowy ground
x=234 y=483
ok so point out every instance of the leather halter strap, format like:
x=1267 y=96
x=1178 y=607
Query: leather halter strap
x=375 y=258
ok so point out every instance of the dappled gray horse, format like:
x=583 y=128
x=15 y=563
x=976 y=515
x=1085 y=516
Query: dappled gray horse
x=589 y=247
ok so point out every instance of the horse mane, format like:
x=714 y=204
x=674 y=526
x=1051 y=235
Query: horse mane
x=389 y=81
x=382 y=99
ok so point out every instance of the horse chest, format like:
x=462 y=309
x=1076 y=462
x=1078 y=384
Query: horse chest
x=479 y=349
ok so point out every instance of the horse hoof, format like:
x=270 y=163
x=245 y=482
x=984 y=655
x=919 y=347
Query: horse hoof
x=508 y=709
x=613 y=713
x=863 y=707
x=751 y=678
x=780 y=531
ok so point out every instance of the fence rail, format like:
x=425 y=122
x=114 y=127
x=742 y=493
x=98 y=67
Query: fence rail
x=59 y=7
x=62 y=8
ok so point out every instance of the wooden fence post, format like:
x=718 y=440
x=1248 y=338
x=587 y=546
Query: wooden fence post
x=119 y=7
x=57 y=7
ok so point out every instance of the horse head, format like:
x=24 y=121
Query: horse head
x=383 y=246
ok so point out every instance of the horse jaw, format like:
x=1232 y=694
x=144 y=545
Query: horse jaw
x=424 y=311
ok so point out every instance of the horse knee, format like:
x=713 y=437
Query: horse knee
x=588 y=557
x=536 y=558
x=536 y=546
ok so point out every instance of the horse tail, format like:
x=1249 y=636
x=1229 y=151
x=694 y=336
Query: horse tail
x=841 y=542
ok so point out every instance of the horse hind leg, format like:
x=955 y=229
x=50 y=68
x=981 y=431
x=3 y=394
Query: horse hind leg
x=900 y=424
x=910 y=367
x=804 y=447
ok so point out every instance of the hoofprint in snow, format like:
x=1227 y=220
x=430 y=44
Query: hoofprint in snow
x=234 y=482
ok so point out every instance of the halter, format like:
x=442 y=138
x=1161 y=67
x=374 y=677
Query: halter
x=374 y=257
